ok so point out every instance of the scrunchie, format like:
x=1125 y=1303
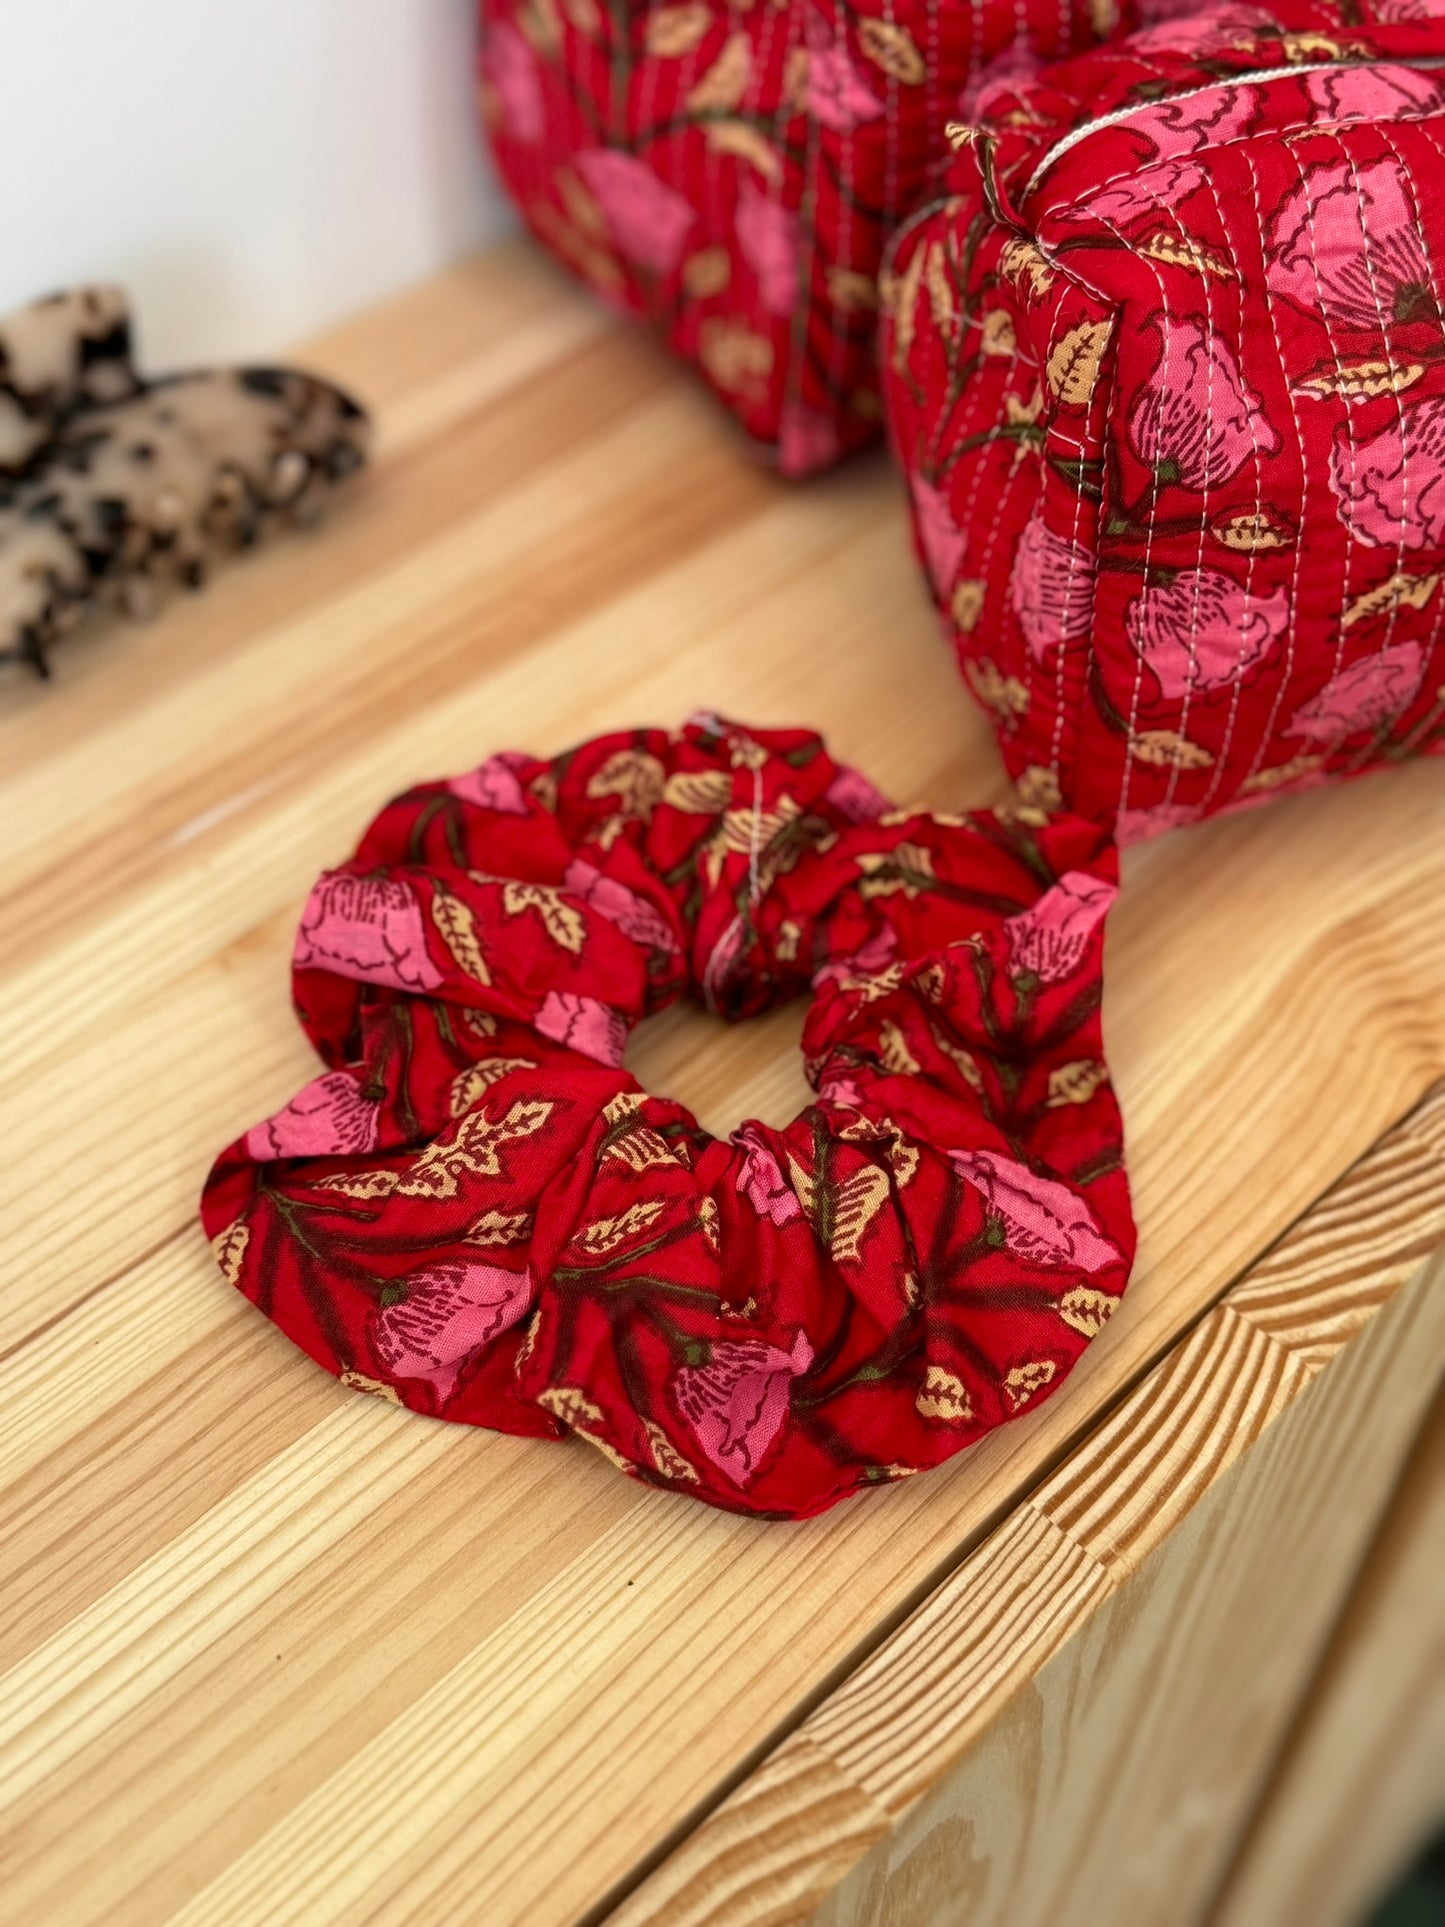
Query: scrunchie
x=478 y=1212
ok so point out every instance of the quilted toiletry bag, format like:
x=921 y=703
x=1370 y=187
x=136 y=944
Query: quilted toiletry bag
x=1165 y=367
x=732 y=172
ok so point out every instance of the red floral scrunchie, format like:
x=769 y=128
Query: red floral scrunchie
x=479 y=1213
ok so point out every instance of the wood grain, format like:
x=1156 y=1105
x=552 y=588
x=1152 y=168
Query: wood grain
x=1076 y=1725
x=1361 y=1784
x=275 y=1654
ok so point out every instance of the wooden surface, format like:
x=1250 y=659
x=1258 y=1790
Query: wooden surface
x=1360 y=1787
x=277 y=1653
x=1076 y=1727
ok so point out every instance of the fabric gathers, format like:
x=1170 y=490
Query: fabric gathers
x=477 y=1212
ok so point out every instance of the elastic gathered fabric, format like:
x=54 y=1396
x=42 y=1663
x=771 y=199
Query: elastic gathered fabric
x=476 y=1211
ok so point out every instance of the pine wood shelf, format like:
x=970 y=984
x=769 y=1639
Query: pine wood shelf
x=275 y=1653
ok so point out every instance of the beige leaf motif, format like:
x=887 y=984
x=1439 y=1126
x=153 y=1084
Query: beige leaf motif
x=707 y=1218
x=472 y=1083
x=900 y=296
x=894 y=1055
x=855 y=1205
x=1282 y=773
x=361 y=1184
x=963 y=1061
x=966 y=608
x=706 y=273
x=373 y=1387
x=745 y=143
x=703 y=792
x=1023 y=261
x=1402 y=591
x=632 y=775
x=580 y=205
x=1166 y=749
x=940 y=291
x=229 y=1247
x=1087 y=1310
x=804 y=1184
x=675 y=31
x=665 y=1455
x=541 y=25
x=893 y=50
x=481 y=1023
x=1019 y=413
x=584 y=15
x=500 y=1228
x=457 y=928
x=1249 y=534
x=850 y=290
x=997 y=335
x=944 y=1396
x=726 y=81
x=905 y=1160
x=1006 y=696
x=605 y=1234
x=1363 y=380
x=640 y=1149
x=561 y=920
x=733 y=356
x=1038 y=789
x=574 y=1408
x=438 y=1170
x=1024 y=1380
x=908 y=868
x=1072 y=370
x=1183 y=251
x=1076 y=1083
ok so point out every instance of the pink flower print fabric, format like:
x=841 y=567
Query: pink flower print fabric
x=1165 y=363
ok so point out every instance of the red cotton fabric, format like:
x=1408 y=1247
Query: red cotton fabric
x=732 y=171
x=1166 y=372
x=476 y=1211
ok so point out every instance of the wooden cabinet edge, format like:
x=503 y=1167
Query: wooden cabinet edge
x=813 y=1812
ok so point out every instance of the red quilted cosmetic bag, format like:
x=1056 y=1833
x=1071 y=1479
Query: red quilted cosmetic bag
x=1166 y=372
x=733 y=171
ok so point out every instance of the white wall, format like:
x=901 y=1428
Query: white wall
x=252 y=169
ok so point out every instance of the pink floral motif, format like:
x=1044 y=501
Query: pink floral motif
x=1373 y=93
x=807 y=439
x=583 y=1024
x=329 y=1118
x=648 y=219
x=993 y=86
x=761 y=1181
x=1391 y=486
x=1210 y=118
x=736 y=1404
x=842 y=1090
x=768 y=235
x=838 y=96
x=854 y=797
x=1204 y=630
x=494 y=786
x=1196 y=30
x=1346 y=238
x=1137 y=826
x=1052 y=589
x=1194 y=421
x=510 y=65
x=1044 y=1221
x=1050 y=938
x=449 y=1312
x=871 y=957
x=1364 y=696
x=939 y=536
x=633 y=915
x=1155 y=191
x=369 y=928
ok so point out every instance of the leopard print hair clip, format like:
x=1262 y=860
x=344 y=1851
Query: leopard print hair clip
x=112 y=487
